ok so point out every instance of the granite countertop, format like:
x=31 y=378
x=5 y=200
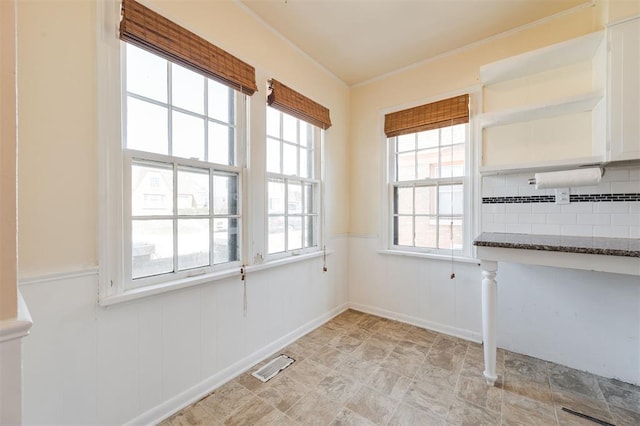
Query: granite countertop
x=628 y=247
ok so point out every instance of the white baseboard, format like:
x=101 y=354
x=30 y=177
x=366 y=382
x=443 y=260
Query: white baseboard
x=434 y=326
x=197 y=392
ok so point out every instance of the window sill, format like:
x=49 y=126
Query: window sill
x=433 y=256
x=142 y=292
x=285 y=260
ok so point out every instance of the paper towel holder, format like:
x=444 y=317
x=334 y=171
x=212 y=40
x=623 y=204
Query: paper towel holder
x=532 y=181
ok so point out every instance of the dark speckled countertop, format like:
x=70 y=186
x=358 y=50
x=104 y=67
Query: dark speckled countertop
x=628 y=247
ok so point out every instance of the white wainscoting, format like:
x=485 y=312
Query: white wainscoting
x=415 y=290
x=140 y=361
x=583 y=319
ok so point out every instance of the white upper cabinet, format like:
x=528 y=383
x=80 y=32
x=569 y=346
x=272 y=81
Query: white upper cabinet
x=624 y=91
x=545 y=108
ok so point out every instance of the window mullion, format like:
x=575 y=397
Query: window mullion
x=175 y=218
x=206 y=119
x=211 y=219
x=169 y=110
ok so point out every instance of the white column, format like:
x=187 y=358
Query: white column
x=489 y=313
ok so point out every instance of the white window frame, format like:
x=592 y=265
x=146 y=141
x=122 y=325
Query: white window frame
x=316 y=180
x=470 y=181
x=114 y=163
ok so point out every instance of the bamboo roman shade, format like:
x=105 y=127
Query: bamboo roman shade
x=446 y=112
x=149 y=30
x=296 y=104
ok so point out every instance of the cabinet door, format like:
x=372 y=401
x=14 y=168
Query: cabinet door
x=624 y=91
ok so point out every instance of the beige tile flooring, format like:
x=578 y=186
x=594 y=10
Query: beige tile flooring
x=359 y=369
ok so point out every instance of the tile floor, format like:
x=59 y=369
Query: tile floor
x=359 y=369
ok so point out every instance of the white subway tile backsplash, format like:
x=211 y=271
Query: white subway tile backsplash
x=518 y=228
x=594 y=219
x=532 y=218
x=577 y=230
x=506 y=218
x=611 y=207
x=625 y=187
x=545 y=208
x=611 y=231
x=625 y=219
x=545 y=229
x=601 y=188
x=616 y=175
x=493 y=227
x=518 y=208
x=576 y=208
x=584 y=216
x=562 y=218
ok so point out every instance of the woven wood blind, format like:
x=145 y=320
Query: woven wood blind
x=446 y=112
x=296 y=104
x=149 y=30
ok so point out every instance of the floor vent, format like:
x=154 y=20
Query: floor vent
x=272 y=368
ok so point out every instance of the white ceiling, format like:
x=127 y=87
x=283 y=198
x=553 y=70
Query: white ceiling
x=358 y=40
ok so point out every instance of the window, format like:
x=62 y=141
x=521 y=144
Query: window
x=427 y=177
x=292 y=188
x=182 y=170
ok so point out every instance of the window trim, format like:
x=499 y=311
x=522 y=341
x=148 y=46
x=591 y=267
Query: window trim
x=471 y=182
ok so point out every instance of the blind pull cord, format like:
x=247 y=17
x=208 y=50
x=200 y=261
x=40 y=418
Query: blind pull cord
x=243 y=277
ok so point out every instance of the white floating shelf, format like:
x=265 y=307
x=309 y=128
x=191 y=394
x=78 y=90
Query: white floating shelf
x=574 y=104
x=544 y=59
x=545 y=166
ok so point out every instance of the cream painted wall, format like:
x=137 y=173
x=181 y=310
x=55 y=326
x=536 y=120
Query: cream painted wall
x=8 y=248
x=448 y=73
x=57 y=126
x=58 y=196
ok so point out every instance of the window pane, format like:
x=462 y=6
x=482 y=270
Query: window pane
x=404 y=231
x=273 y=156
x=225 y=194
x=426 y=231
x=225 y=241
x=276 y=234
x=221 y=143
x=151 y=248
x=147 y=128
x=276 y=196
x=446 y=136
x=305 y=164
x=428 y=163
x=295 y=232
x=193 y=192
x=404 y=201
x=146 y=74
x=187 y=89
x=450 y=233
x=151 y=190
x=406 y=166
x=452 y=161
x=406 y=142
x=289 y=159
x=294 y=198
x=428 y=139
x=451 y=199
x=305 y=134
x=309 y=199
x=425 y=200
x=188 y=136
x=273 y=122
x=220 y=101
x=193 y=243
x=289 y=128
x=309 y=231
x=459 y=133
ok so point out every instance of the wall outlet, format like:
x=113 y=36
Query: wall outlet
x=562 y=196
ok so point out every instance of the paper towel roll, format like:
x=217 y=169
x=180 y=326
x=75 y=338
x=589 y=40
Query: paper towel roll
x=568 y=178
